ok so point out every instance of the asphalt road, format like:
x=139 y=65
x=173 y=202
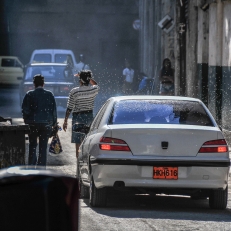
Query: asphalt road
x=125 y=211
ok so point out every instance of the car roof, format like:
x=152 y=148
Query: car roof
x=47 y=64
x=151 y=97
x=52 y=50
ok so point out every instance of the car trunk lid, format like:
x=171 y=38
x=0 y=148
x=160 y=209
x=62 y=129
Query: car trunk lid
x=164 y=140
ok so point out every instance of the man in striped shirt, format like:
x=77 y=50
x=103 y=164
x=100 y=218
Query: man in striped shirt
x=81 y=103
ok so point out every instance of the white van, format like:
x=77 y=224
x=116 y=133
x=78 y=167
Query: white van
x=11 y=70
x=54 y=56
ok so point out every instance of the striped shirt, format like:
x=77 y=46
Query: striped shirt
x=82 y=98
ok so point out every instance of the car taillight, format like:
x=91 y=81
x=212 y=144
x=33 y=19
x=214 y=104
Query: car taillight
x=214 y=146
x=112 y=144
x=64 y=89
x=28 y=88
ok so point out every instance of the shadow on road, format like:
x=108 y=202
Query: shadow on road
x=161 y=207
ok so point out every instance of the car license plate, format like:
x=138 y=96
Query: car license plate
x=165 y=173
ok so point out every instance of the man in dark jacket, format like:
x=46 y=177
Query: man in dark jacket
x=39 y=111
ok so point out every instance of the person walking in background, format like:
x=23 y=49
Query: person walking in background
x=166 y=78
x=128 y=74
x=40 y=113
x=81 y=104
x=143 y=85
x=69 y=68
x=70 y=62
x=81 y=65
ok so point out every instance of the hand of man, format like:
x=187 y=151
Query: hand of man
x=65 y=126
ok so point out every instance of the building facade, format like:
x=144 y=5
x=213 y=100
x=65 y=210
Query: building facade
x=198 y=44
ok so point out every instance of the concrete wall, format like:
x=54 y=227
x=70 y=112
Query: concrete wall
x=155 y=44
x=213 y=52
x=150 y=49
x=226 y=66
x=202 y=54
x=212 y=59
x=191 y=49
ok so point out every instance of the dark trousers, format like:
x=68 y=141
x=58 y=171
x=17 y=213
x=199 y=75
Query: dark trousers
x=39 y=132
x=127 y=88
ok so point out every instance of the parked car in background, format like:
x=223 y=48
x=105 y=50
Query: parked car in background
x=58 y=79
x=11 y=70
x=54 y=56
x=154 y=144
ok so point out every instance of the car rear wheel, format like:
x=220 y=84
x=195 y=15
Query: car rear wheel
x=98 y=197
x=218 y=199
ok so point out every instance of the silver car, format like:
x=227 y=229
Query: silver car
x=155 y=144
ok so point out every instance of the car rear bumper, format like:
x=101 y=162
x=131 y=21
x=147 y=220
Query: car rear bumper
x=198 y=177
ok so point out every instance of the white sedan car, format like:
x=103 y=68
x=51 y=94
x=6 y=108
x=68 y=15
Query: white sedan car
x=156 y=144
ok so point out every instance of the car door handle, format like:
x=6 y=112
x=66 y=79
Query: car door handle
x=1 y=70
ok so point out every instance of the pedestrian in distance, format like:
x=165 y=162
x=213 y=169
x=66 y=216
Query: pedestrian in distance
x=143 y=85
x=81 y=64
x=166 y=78
x=128 y=74
x=69 y=68
x=81 y=103
x=40 y=113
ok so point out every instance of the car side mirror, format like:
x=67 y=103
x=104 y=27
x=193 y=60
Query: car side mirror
x=80 y=128
x=30 y=195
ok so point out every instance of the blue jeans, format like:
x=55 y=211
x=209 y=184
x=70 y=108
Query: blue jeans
x=41 y=131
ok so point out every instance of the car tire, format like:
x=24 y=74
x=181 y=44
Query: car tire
x=218 y=199
x=98 y=197
x=83 y=190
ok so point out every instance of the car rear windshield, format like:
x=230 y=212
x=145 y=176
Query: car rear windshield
x=159 y=112
x=49 y=72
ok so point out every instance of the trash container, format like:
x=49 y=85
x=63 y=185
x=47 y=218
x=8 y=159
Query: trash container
x=38 y=199
x=12 y=145
x=5 y=119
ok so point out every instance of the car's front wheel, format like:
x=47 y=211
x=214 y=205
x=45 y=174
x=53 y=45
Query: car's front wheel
x=98 y=197
x=218 y=199
x=83 y=190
